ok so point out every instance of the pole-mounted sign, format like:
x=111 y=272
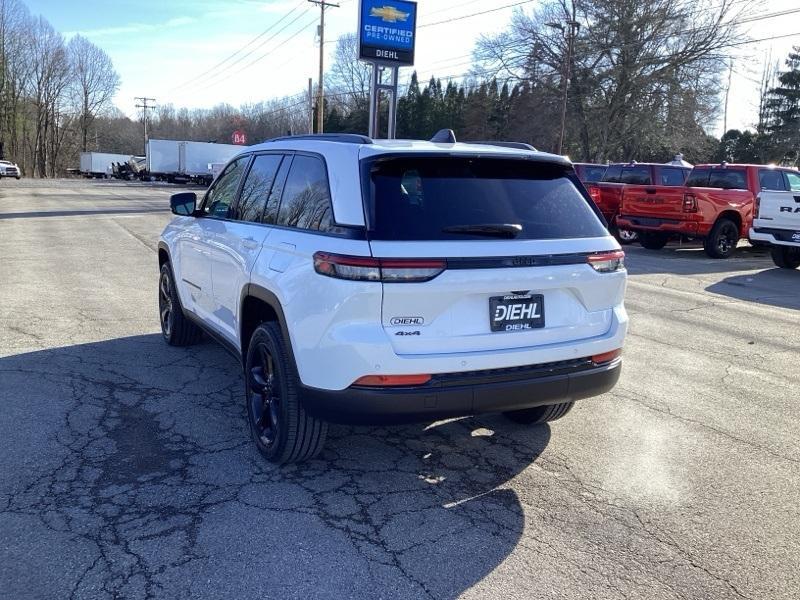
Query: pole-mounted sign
x=387 y=35
x=387 y=31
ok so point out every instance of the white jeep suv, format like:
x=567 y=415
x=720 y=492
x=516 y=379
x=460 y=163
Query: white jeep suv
x=367 y=281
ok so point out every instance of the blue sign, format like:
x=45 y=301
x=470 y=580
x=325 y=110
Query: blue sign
x=387 y=31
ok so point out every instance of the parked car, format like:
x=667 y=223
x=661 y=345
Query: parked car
x=9 y=169
x=715 y=205
x=377 y=281
x=777 y=218
x=607 y=194
x=589 y=172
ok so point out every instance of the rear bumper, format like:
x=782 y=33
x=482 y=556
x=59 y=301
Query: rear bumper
x=461 y=394
x=778 y=237
x=677 y=226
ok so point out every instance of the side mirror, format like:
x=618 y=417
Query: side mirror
x=183 y=204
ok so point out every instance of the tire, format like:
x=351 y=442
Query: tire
x=539 y=414
x=653 y=241
x=281 y=428
x=722 y=239
x=626 y=236
x=176 y=329
x=786 y=257
x=18 y=178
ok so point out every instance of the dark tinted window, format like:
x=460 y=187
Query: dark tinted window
x=419 y=198
x=223 y=191
x=590 y=173
x=636 y=175
x=613 y=174
x=306 y=202
x=671 y=176
x=698 y=178
x=770 y=179
x=257 y=186
x=728 y=179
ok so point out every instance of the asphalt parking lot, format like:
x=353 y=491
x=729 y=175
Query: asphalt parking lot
x=126 y=470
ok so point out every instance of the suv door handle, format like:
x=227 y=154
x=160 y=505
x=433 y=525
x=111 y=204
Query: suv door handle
x=650 y=191
x=249 y=243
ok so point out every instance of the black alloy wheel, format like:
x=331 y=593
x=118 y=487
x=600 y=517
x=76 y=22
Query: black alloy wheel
x=264 y=401
x=165 y=305
x=723 y=239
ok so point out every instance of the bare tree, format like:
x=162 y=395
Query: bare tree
x=639 y=70
x=349 y=78
x=94 y=82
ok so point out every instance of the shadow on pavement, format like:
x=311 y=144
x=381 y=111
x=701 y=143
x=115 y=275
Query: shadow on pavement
x=775 y=287
x=691 y=259
x=128 y=471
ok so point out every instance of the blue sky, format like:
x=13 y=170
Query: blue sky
x=165 y=49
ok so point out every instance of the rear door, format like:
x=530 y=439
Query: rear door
x=662 y=199
x=512 y=237
x=240 y=241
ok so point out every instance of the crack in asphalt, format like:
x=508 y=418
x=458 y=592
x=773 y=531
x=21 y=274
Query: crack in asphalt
x=141 y=485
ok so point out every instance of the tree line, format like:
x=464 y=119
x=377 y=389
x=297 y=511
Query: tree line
x=643 y=82
x=51 y=91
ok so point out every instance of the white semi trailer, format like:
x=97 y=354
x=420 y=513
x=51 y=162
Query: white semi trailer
x=196 y=160
x=98 y=164
x=183 y=161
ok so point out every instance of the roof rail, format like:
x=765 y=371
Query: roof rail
x=515 y=145
x=344 y=138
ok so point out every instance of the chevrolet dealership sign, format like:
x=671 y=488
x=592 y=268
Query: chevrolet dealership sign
x=387 y=31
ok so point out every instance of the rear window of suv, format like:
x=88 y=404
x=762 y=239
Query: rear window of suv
x=425 y=198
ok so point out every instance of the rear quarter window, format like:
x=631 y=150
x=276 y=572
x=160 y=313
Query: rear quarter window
x=420 y=198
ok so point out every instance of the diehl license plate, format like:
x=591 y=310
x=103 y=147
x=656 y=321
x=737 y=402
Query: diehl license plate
x=516 y=313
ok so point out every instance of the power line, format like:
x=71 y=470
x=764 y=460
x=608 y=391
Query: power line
x=259 y=36
x=226 y=75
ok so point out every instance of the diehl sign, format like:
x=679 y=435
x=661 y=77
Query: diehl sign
x=387 y=32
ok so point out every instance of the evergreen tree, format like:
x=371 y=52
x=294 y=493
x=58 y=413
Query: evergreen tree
x=783 y=113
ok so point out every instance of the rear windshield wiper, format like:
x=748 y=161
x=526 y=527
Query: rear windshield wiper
x=501 y=230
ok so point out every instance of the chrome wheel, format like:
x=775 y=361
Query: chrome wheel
x=165 y=308
x=264 y=391
x=626 y=236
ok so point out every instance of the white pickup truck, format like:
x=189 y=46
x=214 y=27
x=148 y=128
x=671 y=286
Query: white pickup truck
x=777 y=221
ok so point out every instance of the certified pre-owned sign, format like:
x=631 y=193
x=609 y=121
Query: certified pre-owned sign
x=387 y=31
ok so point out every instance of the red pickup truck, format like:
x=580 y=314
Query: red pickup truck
x=715 y=205
x=608 y=192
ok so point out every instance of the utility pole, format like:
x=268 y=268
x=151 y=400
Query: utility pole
x=727 y=93
x=310 y=106
x=145 y=107
x=570 y=33
x=321 y=91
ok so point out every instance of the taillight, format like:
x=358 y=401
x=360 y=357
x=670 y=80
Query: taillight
x=594 y=194
x=392 y=380
x=758 y=206
x=387 y=270
x=689 y=203
x=607 y=262
x=606 y=357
